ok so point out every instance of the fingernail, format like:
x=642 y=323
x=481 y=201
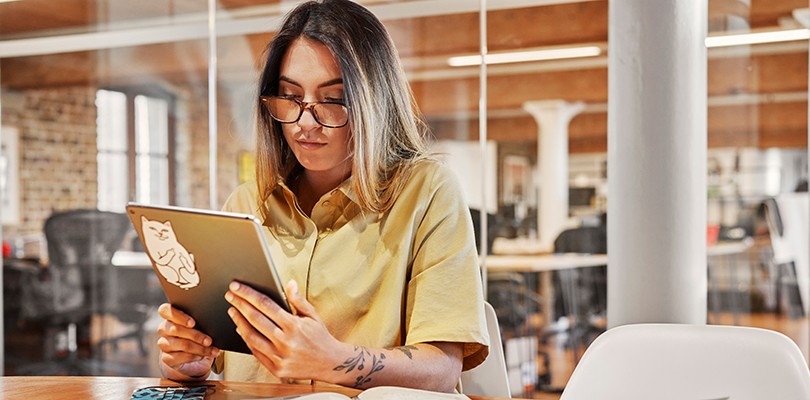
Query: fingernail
x=228 y=296
x=231 y=312
x=234 y=286
x=214 y=352
x=207 y=341
x=190 y=323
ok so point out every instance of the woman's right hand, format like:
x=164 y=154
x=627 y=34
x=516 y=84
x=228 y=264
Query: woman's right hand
x=185 y=353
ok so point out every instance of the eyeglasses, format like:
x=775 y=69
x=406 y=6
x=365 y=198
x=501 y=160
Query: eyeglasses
x=330 y=114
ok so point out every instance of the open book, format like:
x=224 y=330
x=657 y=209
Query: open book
x=378 y=393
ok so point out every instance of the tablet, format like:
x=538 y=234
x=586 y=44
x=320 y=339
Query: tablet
x=197 y=254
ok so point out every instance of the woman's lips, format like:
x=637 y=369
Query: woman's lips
x=310 y=145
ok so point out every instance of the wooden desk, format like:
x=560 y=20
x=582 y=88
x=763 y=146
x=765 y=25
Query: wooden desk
x=90 y=387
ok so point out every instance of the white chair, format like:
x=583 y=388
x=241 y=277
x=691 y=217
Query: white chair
x=698 y=362
x=489 y=378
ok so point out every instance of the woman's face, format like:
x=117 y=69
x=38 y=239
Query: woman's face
x=310 y=73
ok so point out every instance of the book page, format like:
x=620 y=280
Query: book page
x=309 y=396
x=400 y=393
x=377 y=393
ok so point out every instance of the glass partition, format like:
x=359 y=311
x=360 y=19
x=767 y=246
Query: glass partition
x=547 y=114
x=110 y=103
x=757 y=167
x=107 y=103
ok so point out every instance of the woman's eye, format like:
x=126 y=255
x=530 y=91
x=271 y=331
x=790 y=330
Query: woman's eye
x=334 y=100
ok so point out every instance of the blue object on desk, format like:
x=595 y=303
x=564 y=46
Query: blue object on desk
x=171 y=393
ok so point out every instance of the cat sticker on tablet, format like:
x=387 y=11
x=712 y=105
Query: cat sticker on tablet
x=171 y=259
x=198 y=253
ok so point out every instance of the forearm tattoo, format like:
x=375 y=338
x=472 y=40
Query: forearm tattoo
x=359 y=362
x=405 y=349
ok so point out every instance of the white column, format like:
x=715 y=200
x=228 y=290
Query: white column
x=657 y=161
x=553 y=117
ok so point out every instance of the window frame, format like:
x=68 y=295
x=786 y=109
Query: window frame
x=131 y=92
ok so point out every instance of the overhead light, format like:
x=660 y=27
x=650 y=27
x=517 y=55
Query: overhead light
x=758 y=38
x=524 y=56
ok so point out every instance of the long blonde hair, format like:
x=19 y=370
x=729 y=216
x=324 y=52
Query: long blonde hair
x=385 y=123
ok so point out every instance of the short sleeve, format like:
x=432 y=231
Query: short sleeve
x=244 y=199
x=445 y=295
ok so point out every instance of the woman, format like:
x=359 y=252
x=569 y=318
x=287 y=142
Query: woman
x=371 y=234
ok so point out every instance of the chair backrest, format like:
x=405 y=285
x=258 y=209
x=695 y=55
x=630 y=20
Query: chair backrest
x=581 y=291
x=79 y=242
x=80 y=237
x=788 y=221
x=84 y=240
x=586 y=239
x=489 y=378
x=699 y=362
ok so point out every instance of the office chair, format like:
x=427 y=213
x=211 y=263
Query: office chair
x=135 y=296
x=489 y=378
x=581 y=293
x=73 y=288
x=786 y=217
x=677 y=361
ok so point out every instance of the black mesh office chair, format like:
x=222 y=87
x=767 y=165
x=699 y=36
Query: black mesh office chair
x=73 y=287
x=786 y=281
x=582 y=292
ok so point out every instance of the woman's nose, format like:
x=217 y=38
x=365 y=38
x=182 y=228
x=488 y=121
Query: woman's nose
x=307 y=120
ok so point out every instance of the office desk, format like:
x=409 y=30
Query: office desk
x=90 y=387
x=729 y=248
x=556 y=262
x=545 y=262
x=565 y=263
x=131 y=259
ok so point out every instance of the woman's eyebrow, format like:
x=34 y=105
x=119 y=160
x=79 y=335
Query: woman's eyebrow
x=288 y=80
x=331 y=82
x=336 y=81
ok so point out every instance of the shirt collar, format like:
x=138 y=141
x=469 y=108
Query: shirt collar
x=346 y=187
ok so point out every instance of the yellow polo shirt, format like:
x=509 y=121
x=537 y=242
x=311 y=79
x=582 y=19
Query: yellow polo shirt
x=406 y=276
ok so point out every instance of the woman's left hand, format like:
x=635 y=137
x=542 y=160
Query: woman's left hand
x=289 y=346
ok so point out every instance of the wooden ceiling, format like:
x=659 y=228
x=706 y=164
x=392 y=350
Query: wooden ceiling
x=757 y=97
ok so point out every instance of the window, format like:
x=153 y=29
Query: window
x=134 y=149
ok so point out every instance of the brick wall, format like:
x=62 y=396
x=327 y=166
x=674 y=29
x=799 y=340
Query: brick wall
x=57 y=144
x=57 y=155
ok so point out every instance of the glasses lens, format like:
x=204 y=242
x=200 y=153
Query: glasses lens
x=331 y=114
x=283 y=110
